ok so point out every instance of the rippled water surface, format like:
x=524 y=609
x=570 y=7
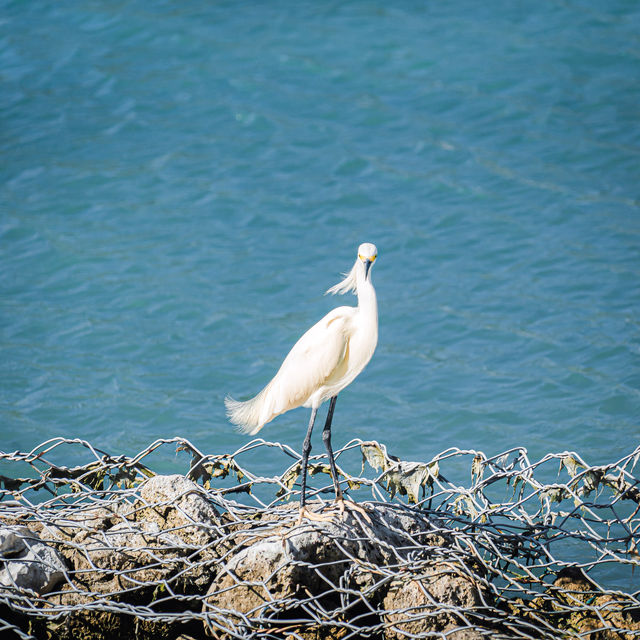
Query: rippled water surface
x=181 y=182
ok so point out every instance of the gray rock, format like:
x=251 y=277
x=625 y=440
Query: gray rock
x=11 y=544
x=132 y=548
x=178 y=505
x=274 y=572
x=28 y=562
x=430 y=600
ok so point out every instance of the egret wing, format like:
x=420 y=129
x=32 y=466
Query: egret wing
x=311 y=361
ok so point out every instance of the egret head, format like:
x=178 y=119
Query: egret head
x=367 y=253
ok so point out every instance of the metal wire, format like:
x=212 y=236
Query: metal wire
x=464 y=546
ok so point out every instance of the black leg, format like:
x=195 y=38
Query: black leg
x=306 y=450
x=326 y=437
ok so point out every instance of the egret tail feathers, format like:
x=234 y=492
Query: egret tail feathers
x=245 y=415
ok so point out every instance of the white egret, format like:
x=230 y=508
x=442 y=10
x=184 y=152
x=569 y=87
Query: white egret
x=321 y=364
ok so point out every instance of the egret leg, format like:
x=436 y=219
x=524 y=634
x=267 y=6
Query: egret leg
x=306 y=450
x=326 y=437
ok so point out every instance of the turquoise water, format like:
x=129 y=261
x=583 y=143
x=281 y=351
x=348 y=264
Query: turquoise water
x=182 y=182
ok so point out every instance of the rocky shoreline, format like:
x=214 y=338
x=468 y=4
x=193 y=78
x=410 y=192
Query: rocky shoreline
x=168 y=562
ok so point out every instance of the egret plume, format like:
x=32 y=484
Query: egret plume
x=350 y=283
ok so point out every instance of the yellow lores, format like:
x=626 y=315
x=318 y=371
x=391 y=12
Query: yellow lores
x=321 y=364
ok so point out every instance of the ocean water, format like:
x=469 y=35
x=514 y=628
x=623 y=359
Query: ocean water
x=181 y=183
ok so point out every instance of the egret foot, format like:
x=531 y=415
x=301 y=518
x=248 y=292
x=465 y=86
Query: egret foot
x=343 y=504
x=340 y=504
x=313 y=516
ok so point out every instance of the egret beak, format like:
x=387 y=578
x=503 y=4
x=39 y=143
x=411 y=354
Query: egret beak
x=367 y=266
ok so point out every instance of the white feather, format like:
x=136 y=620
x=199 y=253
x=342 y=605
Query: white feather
x=348 y=284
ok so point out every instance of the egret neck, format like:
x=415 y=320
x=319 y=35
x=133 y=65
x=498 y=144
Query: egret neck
x=367 y=311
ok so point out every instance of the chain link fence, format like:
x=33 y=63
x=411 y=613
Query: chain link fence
x=460 y=547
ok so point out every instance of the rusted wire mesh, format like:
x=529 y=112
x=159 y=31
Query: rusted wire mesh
x=463 y=546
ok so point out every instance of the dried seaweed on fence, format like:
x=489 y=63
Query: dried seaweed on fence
x=405 y=478
x=497 y=547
